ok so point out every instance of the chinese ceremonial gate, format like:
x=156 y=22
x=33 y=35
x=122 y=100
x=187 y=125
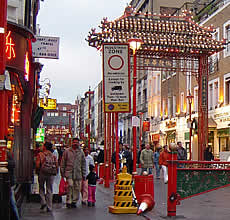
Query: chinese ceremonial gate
x=168 y=38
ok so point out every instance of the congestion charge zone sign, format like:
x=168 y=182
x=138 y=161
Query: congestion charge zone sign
x=116 y=78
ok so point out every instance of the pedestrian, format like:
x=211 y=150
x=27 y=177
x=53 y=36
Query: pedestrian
x=46 y=167
x=181 y=154
x=156 y=156
x=11 y=167
x=55 y=152
x=92 y=181
x=208 y=155
x=163 y=162
x=84 y=186
x=73 y=168
x=139 y=155
x=146 y=160
x=121 y=156
x=100 y=156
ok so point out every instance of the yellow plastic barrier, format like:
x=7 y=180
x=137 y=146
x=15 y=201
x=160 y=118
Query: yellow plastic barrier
x=123 y=194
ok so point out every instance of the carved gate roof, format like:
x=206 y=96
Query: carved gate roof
x=160 y=34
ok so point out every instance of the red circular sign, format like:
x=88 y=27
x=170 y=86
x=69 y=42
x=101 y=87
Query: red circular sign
x=116 y=62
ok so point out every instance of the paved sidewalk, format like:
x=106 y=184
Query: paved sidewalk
x=214 y=205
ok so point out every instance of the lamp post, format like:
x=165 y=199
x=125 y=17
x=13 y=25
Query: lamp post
x=135 y=45
x=140 y=138
x=190 y=97
x=89 y=93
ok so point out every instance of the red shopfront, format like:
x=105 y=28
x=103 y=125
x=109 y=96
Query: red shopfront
x=22 y=79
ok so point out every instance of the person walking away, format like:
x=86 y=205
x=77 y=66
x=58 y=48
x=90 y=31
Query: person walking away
x=84 y=186
x=73 y=168
x=208 y=155
x=163 y=162
x=181 y=154
x=146 y=160
x=92 y=181
x=156 y=156
x=11 y=166
x=46 y=167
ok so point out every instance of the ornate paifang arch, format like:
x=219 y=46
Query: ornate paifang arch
x=167 y=36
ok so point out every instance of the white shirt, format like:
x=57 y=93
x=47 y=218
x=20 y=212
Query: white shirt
x=89 y=160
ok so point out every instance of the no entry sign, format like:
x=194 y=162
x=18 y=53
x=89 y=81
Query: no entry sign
x=116 y=78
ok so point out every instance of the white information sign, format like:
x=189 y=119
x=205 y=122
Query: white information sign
x=116 y=77
x=46 y=47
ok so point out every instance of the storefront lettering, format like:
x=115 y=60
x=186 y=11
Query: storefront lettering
x=10 y=51
x=170 y=124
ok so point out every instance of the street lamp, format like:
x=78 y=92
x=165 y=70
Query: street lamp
x=89 y=93
x=135 y=45
x=190 y=97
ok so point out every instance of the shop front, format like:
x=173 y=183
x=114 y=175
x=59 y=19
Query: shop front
x=21 y=85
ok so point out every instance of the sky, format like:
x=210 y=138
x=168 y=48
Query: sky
x=79 y=65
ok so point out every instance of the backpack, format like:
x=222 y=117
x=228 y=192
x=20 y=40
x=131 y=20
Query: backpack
x=48 y=166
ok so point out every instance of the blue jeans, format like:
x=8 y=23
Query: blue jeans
x=13 y=203
x=157 y=169
x=149 y=170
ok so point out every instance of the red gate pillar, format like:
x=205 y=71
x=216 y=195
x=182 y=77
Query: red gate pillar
x=172 y=184
x=3 y=93
x=203 y=106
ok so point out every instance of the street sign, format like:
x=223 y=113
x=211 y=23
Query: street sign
x=51 y=104
x=40 y=135
x=116 y=78
x=46 y=47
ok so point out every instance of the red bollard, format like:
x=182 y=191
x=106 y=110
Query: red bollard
x=144 y=185
x=96 y=168
x=107 y=176
x=101 y=172
x=172 y=184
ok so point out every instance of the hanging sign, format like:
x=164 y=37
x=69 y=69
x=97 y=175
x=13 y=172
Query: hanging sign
x=146 y=126
x=116 y=78
x=46 y=47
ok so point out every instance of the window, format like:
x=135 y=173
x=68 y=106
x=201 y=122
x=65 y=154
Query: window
x=163 y=107
x=169 y=106
x=227 y=89
x=64 y=108
x=64 y=114
x=210 y=96
x=52 y=114
x=48 y=114
x=56 y=113
x=227 y=37
x=196 y=99
x=182 y=102
x=174 y=106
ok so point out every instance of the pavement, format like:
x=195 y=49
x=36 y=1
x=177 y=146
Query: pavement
x=214 y=205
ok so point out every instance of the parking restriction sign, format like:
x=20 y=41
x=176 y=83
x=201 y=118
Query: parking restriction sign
x=116 y=77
